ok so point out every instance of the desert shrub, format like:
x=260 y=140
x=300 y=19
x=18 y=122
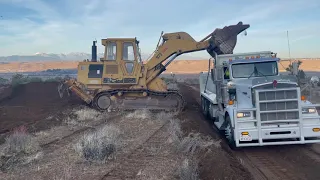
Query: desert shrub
x=189 y=144
x=194 y=142
x=56 y=79
x=175 y=132
x=164 y=116
x=3 y=81
x=86 y=114
x=99 y=145
x=188 y=170
x=83 y=115
x=18 y=79
x=140 y=114
x=20 y=142
x=34 y=79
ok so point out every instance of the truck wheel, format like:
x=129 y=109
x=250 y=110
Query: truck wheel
x=211 y=116
x=204 y=107
x=229 y=134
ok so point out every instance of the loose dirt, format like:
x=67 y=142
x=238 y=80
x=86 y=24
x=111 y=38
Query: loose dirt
x=36 y=105
x=146 y=154
x=221 y=163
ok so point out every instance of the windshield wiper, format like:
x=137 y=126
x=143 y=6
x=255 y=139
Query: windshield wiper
x=262 y=74
x=254 y=70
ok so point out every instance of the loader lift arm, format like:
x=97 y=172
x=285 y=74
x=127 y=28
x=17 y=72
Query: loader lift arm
x=220 y=41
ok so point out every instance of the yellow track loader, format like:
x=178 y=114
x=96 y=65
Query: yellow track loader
x=120 y=80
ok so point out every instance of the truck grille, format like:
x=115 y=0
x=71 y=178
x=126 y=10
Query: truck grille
x=285 y=102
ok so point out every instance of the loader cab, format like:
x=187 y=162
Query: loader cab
x=121 y=49
x=122 y=61
x=120 y=65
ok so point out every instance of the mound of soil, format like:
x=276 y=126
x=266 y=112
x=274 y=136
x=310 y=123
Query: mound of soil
x=35 y=105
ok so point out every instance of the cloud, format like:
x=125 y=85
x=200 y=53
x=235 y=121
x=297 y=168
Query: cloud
x=69 y=26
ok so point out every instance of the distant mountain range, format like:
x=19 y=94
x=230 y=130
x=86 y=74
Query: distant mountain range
x=75 y=56
x=47 y=57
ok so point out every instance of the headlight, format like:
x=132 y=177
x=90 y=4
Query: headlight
x=308 y=110
x=243 y=114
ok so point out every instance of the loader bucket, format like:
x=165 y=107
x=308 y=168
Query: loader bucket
x=223 y=41
x=72 y=86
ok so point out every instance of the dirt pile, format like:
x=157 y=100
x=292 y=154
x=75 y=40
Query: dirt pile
x=31 y=104
x=36 y=94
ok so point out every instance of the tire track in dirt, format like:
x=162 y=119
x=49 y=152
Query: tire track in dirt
x=272 y=168
x=139 y=158
x=56 y=151
x=223 y=163
x=276 y=162
x=61 y=141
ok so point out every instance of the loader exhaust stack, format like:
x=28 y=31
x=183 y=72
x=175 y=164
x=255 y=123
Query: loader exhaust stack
x=94 y=52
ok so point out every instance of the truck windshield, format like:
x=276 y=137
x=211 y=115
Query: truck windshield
x=246 y=70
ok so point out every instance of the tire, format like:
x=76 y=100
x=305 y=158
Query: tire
x=205 y=107
x=229 y=134
x=211 y=117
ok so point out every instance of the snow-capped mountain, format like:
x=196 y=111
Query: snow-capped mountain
x=48 y=57
x=74 y=56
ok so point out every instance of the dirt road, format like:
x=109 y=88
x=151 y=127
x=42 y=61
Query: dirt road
x=271 y=162
x=146 y=150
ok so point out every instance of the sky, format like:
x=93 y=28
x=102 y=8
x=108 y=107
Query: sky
x=64 y=26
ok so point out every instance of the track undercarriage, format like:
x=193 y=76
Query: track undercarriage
x=166 y=101
x=127 y=99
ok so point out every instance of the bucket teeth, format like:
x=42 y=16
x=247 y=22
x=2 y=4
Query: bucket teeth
x=62 y=87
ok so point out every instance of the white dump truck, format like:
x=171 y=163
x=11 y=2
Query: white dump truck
x=248 y=100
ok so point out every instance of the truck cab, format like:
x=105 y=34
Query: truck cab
x=254 y=105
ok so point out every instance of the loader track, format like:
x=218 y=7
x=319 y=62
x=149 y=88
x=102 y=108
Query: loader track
x=152 y=94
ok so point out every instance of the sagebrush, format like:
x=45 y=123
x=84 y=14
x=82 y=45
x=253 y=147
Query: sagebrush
x=20 y=141
x=99 y=145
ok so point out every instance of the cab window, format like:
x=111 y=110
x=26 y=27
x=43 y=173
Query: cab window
x=111 y=51
x=128 y=51
x=226 y=73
